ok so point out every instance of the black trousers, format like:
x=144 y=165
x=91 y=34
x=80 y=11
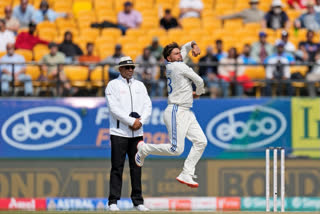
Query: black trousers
x=120 y=147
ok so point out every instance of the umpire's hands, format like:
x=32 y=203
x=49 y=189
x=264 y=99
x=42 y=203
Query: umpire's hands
x=136 y=125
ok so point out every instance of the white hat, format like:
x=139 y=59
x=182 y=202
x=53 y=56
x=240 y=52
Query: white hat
x=125 y=61
x=276 y=3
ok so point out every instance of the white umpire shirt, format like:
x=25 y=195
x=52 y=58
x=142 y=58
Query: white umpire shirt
x=124 y=98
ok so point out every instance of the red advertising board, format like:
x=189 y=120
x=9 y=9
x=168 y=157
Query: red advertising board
x=179 y=204
x=228 y=203
x=22 y=204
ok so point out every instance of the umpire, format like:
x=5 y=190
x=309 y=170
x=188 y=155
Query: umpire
x=129 y=107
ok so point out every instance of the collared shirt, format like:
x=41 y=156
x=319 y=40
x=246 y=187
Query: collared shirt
x=310 y=21
x=15 y=58
x=180 y=77
x=124 y=98
x=195 y=4
x=59 y=58
x=132 y=19
x=256 y=50
x=288 y=47
x=50 y=15
x=24 y=17
x=5 y=38
x=272 y=68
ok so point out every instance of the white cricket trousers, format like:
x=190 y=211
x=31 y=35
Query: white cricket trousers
x=181 y=123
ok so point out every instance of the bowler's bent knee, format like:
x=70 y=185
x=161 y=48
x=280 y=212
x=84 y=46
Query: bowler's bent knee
x=176 y=151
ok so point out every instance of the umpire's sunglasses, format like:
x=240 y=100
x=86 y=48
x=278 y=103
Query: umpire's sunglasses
x=129 y=66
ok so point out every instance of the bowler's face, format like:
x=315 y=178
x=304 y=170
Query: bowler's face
x=127 y=71
x=175 y=55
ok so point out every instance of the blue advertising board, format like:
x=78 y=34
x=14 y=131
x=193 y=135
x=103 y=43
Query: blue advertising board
x=69 y=204
x=79 y=127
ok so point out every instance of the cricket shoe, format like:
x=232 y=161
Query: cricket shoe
x=113 y=207
x=142 y=208
x=188 y=180
x=139 y=157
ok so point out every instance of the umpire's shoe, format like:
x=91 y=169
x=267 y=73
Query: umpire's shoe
x=139 y=158
x=113 y=207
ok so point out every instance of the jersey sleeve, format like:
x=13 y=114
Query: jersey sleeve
x=185 y=50
x=195 y=78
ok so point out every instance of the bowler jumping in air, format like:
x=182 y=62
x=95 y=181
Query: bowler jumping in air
x=179 y=119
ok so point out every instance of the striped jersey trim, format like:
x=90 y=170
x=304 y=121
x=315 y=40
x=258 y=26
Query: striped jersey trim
x=174 y=128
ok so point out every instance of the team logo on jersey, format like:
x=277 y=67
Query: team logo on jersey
x=246 y=127
x=41 y=128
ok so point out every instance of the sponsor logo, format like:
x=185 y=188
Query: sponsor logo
x=305 y=203
x=179 y=204
x=228 y=203
x=74 y=204
x=41 y=128
x=85 y=204
x=305 y=127
x=204 y=203
x=257 y=125
x=157 y=203
x=22 y=204
x=253 y=202
x=259 y=203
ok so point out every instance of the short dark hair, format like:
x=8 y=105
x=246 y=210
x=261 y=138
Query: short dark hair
x=67 y=32
x=52 y=44
x=168 y=49
x=218 y=41
x=167 y=11
x=90 y=44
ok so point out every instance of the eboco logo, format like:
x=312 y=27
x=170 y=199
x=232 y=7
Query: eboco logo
x=41 y=128
x=246 y=127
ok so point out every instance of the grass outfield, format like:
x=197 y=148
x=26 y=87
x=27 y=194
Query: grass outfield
x=134 y=212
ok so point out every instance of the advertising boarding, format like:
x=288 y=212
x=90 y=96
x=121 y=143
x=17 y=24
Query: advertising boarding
x=79 y=127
